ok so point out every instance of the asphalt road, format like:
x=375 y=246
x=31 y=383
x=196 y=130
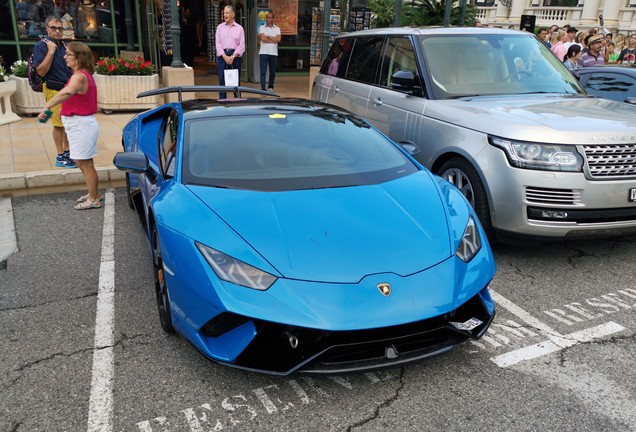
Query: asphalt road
x=561 y=354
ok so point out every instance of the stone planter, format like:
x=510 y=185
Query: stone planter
x=25 y=100
x=7 y=88
x=119 y=92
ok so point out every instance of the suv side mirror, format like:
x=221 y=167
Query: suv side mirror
x=403 y=80
x=631 y=100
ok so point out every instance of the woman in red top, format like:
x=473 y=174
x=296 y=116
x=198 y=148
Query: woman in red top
x=79 y=105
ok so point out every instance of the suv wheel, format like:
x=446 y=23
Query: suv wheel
x=461 y=174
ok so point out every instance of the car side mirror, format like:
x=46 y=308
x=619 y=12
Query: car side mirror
x=410 y=147
x=403 y=80
x=631 y=100
x=131 y=161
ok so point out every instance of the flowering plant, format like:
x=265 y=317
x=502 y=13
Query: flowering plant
x=124 y=66
x=19 y=68
x=4 y=76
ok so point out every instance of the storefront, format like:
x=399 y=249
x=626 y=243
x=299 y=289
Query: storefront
x=108 y=26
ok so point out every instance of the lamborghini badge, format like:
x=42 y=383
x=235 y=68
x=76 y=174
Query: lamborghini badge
x=384 y=288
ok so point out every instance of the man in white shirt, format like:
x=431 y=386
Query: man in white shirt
x=269 y=35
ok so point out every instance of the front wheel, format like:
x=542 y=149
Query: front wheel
x=161 y=286
x=129 y=196
x=461 y=174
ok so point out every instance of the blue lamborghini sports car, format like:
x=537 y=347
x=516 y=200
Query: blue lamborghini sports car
x=292 y=236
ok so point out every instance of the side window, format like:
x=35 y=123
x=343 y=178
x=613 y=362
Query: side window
x=168 y=144
x=336 y=62
x=398 y=56
x=611 y=86
x=364 y=59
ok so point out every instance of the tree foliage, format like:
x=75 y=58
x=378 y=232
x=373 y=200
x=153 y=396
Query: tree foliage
x=420 y=13
x=383 y=12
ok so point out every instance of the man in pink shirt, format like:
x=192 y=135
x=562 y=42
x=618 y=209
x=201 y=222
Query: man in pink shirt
x=230 y=45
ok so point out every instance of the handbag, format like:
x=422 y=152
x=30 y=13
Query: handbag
x=231 y=77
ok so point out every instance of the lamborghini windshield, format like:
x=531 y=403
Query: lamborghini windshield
x=289 y=151
x=494 y=64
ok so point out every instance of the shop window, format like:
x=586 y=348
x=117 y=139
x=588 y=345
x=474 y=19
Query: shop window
x=84 y=20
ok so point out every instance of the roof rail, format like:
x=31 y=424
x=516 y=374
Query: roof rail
x=190 y=89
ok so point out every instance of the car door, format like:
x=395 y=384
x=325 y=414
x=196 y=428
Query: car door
x=397 y=113
x=161 y=175
x=349 y=72
x=617 y=86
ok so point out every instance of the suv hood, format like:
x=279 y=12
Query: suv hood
x=559 y=119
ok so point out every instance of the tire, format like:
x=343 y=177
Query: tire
x=161 y=286
x=129 y=196
x=461 y=174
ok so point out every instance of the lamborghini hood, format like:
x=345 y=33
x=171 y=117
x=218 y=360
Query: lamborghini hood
x=339 y=235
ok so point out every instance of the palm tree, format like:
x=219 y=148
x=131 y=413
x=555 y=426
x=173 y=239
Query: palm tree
x=431 y=12
x=383 y=12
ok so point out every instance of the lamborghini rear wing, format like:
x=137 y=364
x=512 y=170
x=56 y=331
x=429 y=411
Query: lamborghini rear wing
x=190 y=89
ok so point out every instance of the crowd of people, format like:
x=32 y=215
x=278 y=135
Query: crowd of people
x=577 y=49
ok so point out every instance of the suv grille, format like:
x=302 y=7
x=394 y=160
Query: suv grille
x=611 y=160
x=553 y=196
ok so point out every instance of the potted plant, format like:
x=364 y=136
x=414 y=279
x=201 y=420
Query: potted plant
x=25 y=99
x=7 y=88
x=119 y=81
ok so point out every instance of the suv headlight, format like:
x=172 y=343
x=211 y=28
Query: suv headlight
x=470 y=243
x=538 y=156
x=232 y=270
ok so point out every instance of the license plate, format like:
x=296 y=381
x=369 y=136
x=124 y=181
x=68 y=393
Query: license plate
x=632 y=194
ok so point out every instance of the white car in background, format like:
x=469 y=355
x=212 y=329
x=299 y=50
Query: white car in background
x=497 y=114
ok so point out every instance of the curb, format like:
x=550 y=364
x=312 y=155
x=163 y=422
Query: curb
x=27 y=182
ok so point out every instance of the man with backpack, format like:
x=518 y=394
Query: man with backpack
x=48 y=59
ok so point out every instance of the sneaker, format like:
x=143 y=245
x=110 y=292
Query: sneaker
x=65 y=162
x=271 y=90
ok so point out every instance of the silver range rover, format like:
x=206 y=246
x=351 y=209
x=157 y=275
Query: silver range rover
x=498 y=115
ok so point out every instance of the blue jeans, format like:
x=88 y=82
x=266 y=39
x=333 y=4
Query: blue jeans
x=236 y=64
x=268 y=60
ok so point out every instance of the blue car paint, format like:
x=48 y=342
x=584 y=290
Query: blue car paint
x=434 y=281
x=319 y=304
x=379 y=228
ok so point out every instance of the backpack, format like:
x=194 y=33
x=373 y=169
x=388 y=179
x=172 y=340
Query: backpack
x=35 y=80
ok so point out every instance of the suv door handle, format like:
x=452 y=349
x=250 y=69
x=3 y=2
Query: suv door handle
x=377 y=101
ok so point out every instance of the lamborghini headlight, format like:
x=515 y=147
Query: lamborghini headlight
x=232 y=270
x=538 y=156
x=470 y=243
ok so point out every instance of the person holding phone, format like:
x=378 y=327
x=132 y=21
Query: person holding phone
x=48 y=59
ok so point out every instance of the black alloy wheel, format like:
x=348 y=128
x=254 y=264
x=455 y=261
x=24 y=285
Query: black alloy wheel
x=161 y=287
x=129 y=196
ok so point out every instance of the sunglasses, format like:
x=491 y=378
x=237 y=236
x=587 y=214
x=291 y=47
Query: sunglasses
x=59 y=29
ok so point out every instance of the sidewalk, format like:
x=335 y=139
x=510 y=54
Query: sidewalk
x=27 y=151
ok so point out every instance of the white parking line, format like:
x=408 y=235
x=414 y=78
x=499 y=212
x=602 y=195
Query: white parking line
x=100 y=413
x=8 y=242
x=555 y=342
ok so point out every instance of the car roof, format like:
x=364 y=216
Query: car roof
x=208 y=108
x=433 y=31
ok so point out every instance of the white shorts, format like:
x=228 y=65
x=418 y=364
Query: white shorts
x=82 y=134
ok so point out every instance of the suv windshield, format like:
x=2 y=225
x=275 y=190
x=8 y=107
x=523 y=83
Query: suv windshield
x=289 y=151
x=493 y=64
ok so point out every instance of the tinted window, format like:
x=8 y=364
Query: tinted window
x=477 y=64
x=611 y=86
x=365 y=59
x=282 y=151
x=398 y=56
x=336 y=62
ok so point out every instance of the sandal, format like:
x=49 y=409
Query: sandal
x=85 y=197
x=88 y=204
